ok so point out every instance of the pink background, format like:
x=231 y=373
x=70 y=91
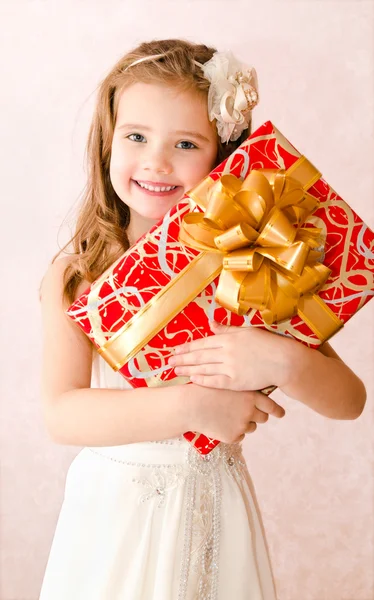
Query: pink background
x=314 y=476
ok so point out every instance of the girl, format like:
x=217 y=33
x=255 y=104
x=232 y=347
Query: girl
x=144 y=516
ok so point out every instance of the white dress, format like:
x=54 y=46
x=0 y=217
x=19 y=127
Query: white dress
x=155 y=521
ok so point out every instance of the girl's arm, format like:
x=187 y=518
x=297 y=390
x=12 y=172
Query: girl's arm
x=251 y=359
x=323 y=381
x=74 y=413
x=77 y=415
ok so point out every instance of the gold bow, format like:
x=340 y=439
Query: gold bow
x=271 y=263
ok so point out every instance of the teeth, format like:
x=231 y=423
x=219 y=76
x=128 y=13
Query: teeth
x=152 y=188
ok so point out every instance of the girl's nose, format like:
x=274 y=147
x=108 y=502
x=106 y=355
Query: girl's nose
x=158 y=161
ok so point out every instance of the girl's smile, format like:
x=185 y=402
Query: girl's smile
x=156 y=188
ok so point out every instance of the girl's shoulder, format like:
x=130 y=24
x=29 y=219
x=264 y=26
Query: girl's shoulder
x=53 y=282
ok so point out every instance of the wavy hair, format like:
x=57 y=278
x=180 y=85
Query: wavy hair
x=100 y=233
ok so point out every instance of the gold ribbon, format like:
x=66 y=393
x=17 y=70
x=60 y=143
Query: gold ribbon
x=270 y=261
x=251 y=233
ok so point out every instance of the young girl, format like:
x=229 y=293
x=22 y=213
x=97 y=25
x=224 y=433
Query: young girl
x=145 y=517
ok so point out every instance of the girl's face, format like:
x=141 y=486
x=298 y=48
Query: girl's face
x=163 y=145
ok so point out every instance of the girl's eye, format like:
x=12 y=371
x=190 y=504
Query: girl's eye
x=136 y=137
x=187 y=145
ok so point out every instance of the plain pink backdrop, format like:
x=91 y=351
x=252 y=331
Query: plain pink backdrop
x=314 y=476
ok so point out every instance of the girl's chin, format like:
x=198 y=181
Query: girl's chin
x=149 y=216
x=153 y=213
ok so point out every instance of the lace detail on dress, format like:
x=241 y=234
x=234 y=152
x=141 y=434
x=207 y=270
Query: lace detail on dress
x=203 y=516
x=160 y=482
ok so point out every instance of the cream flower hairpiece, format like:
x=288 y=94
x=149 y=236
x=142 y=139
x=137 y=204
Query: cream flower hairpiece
x=233 y=93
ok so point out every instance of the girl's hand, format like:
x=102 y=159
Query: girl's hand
x=226 y=415
x=236 y=358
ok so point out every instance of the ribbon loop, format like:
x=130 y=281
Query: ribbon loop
x=243 y=260
x=277 y=231
x=238 y=236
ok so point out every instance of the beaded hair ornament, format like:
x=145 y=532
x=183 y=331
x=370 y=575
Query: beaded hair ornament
x=233 y=92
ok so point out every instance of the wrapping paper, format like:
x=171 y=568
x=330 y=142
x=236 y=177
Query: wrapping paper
x=128 y=299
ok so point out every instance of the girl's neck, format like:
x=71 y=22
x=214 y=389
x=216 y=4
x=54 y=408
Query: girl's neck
x=138 y=226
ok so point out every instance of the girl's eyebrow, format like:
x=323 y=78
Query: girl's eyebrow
x=195 y=134
x=133 y=126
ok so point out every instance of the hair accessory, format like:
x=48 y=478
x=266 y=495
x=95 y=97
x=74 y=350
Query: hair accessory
x=152 y=57
x=233 y=94
x=144 y=59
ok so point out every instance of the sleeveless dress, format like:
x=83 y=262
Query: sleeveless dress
x=156 y=521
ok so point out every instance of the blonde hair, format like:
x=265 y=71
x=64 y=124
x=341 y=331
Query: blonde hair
x=100 y=234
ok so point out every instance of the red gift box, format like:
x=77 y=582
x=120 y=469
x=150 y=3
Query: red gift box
x=162 y=292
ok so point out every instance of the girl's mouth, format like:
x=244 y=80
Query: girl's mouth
x=157 y=190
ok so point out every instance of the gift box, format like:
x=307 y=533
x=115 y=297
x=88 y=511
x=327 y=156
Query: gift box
x=262 y=241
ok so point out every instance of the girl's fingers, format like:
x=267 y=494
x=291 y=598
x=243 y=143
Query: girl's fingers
x=218 y=328
x=258 y=416
x=213 y=341
x=267 y=405
x=220 y=382
x=210 y=369
x=278 y=411
x=251 y=427
x=196 y=357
